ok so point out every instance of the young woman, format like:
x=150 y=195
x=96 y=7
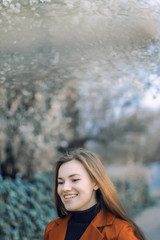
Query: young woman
x=87 y=202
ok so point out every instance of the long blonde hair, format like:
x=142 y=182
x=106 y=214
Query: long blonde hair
x=106 y=194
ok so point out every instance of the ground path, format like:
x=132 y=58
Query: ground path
x=149 y=221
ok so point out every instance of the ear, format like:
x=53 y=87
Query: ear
x=95 y=187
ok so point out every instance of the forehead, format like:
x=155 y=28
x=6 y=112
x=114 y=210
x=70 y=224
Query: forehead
x=71 y=168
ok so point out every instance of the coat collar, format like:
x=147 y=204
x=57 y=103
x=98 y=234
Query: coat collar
x=103 y=218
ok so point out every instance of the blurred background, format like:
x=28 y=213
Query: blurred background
x=82 y=73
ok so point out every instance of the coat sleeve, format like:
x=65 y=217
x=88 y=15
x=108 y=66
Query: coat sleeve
x=127 y=233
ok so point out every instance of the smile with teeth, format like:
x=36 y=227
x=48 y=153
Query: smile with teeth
x=70 y=196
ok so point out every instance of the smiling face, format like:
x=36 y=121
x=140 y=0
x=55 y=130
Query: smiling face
x=75 y=187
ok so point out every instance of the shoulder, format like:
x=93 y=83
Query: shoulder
x=124 y=230
x=52 y=223
x=122 y=225
x=50 y=226
x=117 y=228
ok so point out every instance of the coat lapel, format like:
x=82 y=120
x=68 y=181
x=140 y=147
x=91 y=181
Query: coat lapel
x=99 y=222
x=93 y=233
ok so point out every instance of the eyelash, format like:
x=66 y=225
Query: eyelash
x=60 y=182
x=73 y=180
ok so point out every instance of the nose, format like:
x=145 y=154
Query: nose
x=67 y=186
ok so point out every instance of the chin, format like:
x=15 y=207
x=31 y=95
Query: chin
x=72 y=208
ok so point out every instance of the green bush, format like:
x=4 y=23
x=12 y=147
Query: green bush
x=135 y=197
x=25 y=208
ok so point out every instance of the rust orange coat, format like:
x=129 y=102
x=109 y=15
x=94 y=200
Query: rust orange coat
x=105 y=226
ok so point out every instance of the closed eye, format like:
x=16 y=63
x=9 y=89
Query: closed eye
x=75 y=180
x=60 y=182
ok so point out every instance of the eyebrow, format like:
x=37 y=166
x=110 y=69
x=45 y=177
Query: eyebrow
x=72 y=175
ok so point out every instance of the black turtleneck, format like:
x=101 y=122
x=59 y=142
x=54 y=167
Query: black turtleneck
x=80 y=221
